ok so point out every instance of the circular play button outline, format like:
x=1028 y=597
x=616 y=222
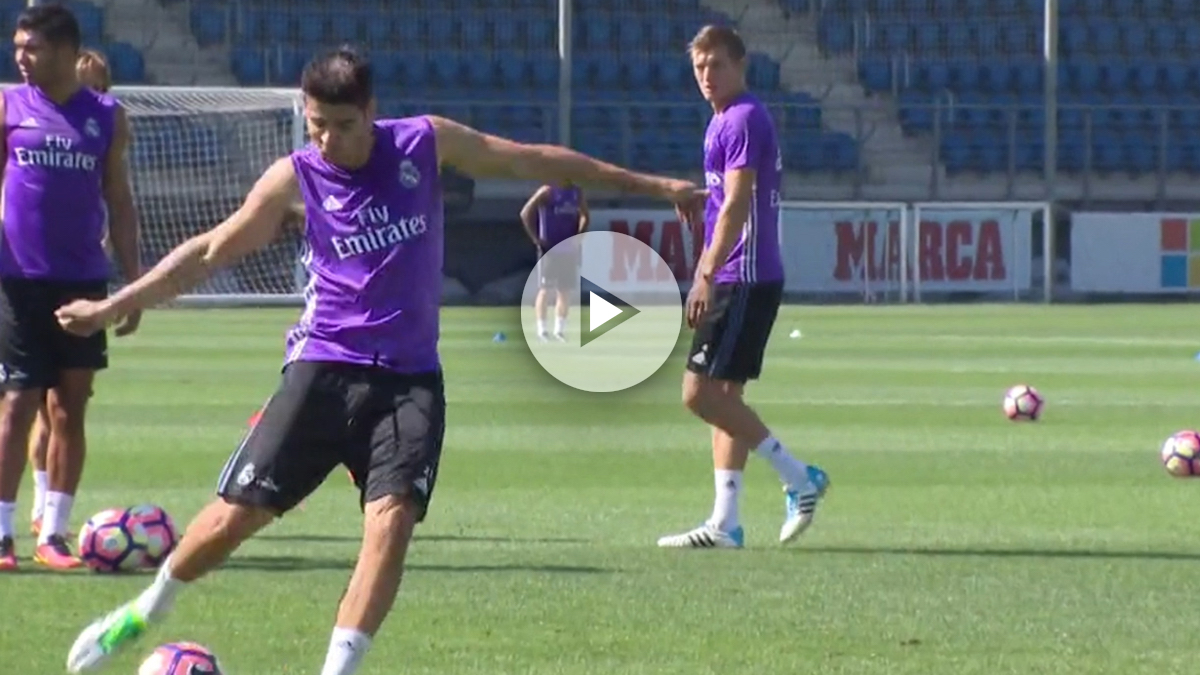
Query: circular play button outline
x=624 y=316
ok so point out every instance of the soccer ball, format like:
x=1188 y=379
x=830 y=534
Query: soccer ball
x=181 y=658
x=153 y=532
x=1023 y=403
x=1181 y=454
x=106 y=543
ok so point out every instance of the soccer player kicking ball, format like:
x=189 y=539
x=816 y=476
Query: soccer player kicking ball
x=362 y=380
x=736 y=294
x=561 y=212
x=64 y=171
x=92 y=70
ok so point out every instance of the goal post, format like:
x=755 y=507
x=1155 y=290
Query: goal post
x=845 y=249
x=195 y=153
x=982 y=248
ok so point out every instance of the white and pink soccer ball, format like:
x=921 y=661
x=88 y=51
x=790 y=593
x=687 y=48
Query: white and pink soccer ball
x=1181 y=454
x=181 y=658
x=1023 y=403
x=126 y=540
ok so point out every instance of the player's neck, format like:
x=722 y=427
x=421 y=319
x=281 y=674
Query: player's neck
x=360 y=159
x=61 y=92
x=721 y=105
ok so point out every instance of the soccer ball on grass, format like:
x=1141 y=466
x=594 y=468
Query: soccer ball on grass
x=1181 y=454
x=1023 y=403
x=181 y=658
x=154 y=531
x=106 y=543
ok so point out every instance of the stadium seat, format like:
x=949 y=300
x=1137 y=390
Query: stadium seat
x=249 y=66
x=126 y=62
x=208 y=24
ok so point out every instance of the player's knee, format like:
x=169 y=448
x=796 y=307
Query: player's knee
x=389 y=521
x=235 y=523
x=697 y=393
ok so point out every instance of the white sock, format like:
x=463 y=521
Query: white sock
x=156 y=601
x=7 y=509
x=560 y=325
x=56 y=515
x=347 y=647
x=792 y=471
x=41 y=485
x=728 y=486
x=541 y=325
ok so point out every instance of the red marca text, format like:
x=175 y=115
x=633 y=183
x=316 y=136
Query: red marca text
x=957 y=250
x=667 y=238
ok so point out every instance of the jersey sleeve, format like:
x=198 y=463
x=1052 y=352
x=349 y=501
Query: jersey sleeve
x=743 y=142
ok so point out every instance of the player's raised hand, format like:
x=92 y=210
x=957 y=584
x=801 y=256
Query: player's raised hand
x=129 y=323
x=84 y=317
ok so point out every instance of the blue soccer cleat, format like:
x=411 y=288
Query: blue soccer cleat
x=801 y=505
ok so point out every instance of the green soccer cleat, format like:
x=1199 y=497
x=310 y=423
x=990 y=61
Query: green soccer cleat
x=105 y=637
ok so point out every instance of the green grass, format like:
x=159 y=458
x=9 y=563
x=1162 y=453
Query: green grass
x=952 y=542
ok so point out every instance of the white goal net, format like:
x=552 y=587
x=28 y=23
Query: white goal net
x=898 y=252
x=195 y=154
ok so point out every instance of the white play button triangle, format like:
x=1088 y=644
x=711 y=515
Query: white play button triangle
x=601 y=311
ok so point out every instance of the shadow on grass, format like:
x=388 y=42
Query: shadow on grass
x=302 y=564
x=934 y=552
x=355 y=538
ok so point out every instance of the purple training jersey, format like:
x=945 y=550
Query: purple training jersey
x=558 y=216
x=373 y=250
x=54 y=212
x=743 y=137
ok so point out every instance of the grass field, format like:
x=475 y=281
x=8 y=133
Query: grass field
x=952 y=542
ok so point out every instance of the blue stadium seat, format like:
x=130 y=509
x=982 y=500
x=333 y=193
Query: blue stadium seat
x=1190 y=42
x=542 y=33
x=875 y=74
x=279 y=27
x=249 y=66
x=1164 y=39
x=439 y=30
x=91 y=21
x=347 y=26
x=208 y=24
x=473 y=31
x=127 y=63
x=514 y=72
x=630 y=36
x=504 y=33
x=310 y=26
x=1105 y=38
x=835 y=36
x=637 y=75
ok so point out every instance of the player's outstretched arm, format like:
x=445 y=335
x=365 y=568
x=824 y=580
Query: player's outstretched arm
x=481 y=155
x=123 y=229
x=250 y=228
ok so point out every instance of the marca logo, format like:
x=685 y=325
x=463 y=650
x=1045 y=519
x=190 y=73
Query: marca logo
x=379 y=229
x=955 y=250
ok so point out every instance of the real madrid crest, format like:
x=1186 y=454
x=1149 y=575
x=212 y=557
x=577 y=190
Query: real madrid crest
x=410 y=176
x=91 y=128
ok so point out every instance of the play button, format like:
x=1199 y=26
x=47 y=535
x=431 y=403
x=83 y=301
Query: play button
x=624 y=311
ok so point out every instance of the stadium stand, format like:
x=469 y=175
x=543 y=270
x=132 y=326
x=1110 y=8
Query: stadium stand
x=973 y=70
x=493 y=64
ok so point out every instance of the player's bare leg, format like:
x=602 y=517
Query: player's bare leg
x=39 y=440
x=561 y=307
x=212 y=536
x=387 y=530
x=67 y=404
x=539 y=308
x=17 y=411
x=738 y=430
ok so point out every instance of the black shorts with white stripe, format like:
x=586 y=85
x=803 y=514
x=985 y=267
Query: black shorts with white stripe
x=731 y=338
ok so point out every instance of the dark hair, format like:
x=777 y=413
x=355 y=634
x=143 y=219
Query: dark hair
x=54 y=23
x=712 y=37
x=338 y=77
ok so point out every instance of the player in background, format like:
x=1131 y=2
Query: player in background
x=65 y=170
x=92 y=70
x=736 y=294
x=561 y=212
x=365 y=394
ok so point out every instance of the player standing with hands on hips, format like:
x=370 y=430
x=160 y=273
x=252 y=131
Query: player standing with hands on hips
x=92 y=70
x=736 y=294
x=561 y=212
x=65 y=169
x=362 y=381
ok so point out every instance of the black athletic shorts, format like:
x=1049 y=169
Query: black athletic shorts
x=385 y=427
x=731 y=338
x=558 y=268
x=34 y=349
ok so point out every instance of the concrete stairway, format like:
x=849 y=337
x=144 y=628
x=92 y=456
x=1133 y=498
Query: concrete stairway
x=894 y=161
x=163 y=34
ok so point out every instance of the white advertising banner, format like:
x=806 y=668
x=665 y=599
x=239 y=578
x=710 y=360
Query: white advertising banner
x=1135 y=252
x=847 y=249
